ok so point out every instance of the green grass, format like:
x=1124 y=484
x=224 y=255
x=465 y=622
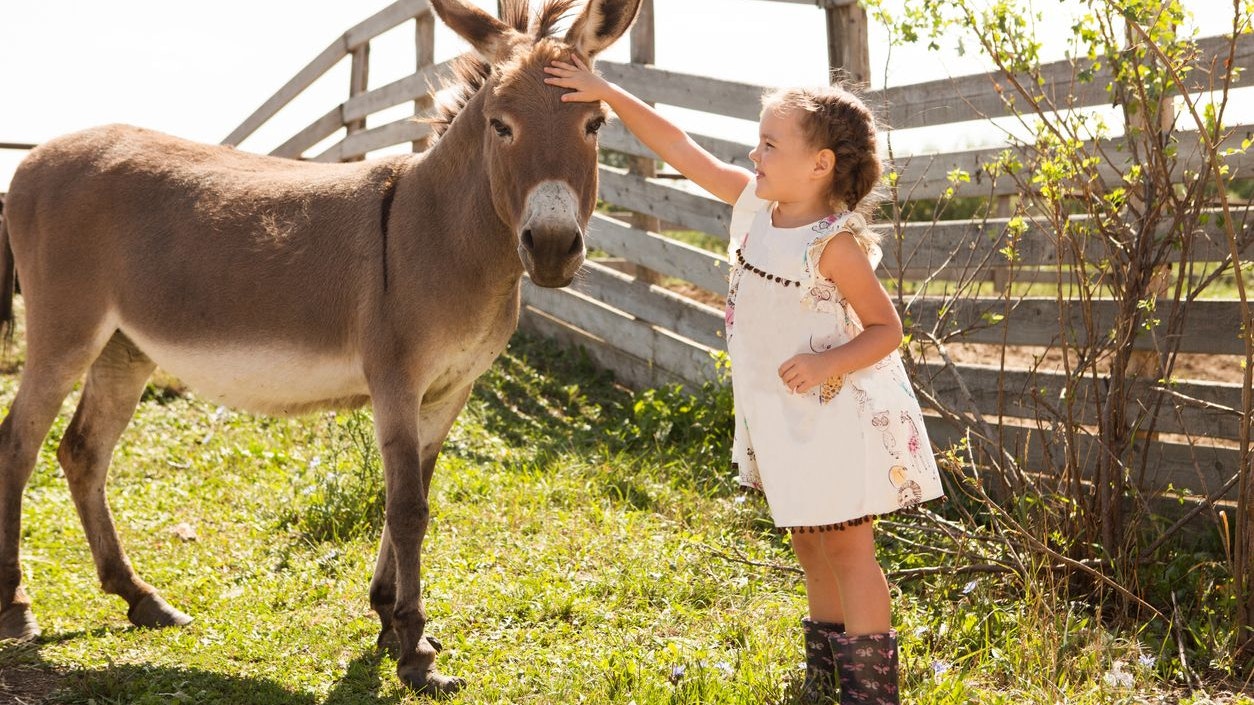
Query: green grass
x=587 y=546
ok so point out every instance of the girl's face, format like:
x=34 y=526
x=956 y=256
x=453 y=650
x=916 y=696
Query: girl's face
x=787 y=166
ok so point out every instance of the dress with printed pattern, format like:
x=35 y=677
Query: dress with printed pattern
x=851 y=448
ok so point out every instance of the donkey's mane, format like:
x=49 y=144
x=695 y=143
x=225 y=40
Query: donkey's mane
x=471 y=72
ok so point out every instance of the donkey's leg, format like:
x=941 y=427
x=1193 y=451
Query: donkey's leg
x=383 y=589
x=52 y=368
x=434 y=424
x=114 y=386
x=407 y=514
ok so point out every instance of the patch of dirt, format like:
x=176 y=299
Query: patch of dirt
x=696 y=293
x=26 y=685
x=1208 y=368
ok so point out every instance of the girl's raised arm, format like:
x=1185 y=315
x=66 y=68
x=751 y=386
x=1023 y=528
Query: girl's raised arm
x=673 y=145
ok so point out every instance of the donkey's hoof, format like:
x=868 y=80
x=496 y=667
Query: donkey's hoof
x=418 y=672
x=152 y=611
x=18 y=623
x=427 y=681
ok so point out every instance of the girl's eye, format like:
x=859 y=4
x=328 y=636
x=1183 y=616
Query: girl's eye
x=502 y=130
x=595 y=124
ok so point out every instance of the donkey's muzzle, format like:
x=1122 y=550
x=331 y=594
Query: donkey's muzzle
x=551 y=256
x=551 y=242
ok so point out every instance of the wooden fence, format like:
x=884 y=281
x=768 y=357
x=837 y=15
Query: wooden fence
x=650 y=335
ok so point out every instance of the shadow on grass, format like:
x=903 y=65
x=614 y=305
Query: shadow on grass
x=26 y=677
x=544 y=397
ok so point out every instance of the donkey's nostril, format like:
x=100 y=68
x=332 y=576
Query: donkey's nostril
x=527 y=241
x=576 y=244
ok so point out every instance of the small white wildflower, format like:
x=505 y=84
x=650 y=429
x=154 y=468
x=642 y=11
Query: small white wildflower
x=1146 y=660
x=677 y=672
x=725 y=668
x=940 y=668
x=969 y=587
x=1116 y=677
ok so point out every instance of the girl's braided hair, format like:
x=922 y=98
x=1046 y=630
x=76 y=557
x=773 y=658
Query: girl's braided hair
x=836 y=119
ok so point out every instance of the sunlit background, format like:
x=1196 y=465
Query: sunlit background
x=198 y=69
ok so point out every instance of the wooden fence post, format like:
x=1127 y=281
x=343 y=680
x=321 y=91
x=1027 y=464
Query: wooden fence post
x=848 y=51
x=359 y=77
x=424 y=56
x=1003 y=206
x=643 y=51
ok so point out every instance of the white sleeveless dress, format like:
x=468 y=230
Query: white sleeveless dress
x=846 y=451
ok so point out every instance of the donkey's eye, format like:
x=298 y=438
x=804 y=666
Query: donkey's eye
x=595 y=124
x=502 y=130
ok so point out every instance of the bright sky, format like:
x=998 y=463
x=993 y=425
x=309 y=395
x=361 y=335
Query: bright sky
x=198 y=69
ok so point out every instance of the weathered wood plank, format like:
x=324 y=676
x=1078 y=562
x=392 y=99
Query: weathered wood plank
x=358 y=81
x=926 y=176
x=665 y=201
x=654 y=85
x=982 y=96
x=670 y=257
x=685 y=358
x=963 y=244
x=1210 y=326
x=358 y=144
x=424 y=58
x=615 y=137
x=415 y=86
x=629 y=370
x=653 y=304
x=1201 y=469
x=848 y=50
x=303 y=79
x=1022 y=393
x=643 y=52
x=314 y=133
x=383 y=20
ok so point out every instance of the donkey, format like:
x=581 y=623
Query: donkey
x=281 y=287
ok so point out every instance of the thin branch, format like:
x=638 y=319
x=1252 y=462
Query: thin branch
x=738 y=558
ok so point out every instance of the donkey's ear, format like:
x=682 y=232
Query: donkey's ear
x=488 y=35
x=600 y=24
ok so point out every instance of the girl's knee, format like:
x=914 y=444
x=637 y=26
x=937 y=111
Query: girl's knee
x=852 y=546
x=809 y=548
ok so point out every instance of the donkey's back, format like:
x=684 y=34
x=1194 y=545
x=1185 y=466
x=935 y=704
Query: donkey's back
x=244 y=275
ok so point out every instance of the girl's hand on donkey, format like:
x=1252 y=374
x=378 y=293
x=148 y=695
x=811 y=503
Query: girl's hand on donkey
x=585 y=86
x=803 y=372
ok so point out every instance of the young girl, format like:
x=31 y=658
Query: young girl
x=827 y=425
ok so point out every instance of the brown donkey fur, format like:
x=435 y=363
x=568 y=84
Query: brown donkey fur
x=280 y=286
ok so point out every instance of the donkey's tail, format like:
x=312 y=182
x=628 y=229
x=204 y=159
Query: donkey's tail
x=7 y=282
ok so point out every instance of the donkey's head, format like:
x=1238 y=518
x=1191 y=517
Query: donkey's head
x=541 y=152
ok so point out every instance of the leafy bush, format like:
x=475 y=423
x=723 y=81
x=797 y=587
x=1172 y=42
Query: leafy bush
x=345 y=496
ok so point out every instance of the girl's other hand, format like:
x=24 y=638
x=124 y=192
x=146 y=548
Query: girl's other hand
x=804 y=372
x=585 y=86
